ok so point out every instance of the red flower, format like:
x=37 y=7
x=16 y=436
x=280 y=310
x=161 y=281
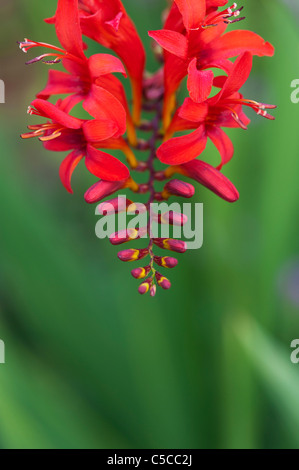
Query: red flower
x=88 y=80
x=108 y=23
x=84 y=137
x=193 y=41
x=222 y=110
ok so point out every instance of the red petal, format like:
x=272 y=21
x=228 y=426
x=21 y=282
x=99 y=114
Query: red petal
x=193 y=12
x=68 y=103
x=105 y=166
x=60 y=83
x=51 y=111
x=212 y=179
x=95 y=130
x=200 y=82
x=195 y=112
x=102 y=64
x=104 y=106
x=238 y=76
x=174 y=20
x=68 y=29
x=236 y=42
x=171 y=41
x=183 y=149
x=67 y=167
x=223 y=144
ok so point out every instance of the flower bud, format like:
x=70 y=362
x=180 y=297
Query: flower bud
x=153 y=290
x=102 y=189
x=178 y=188
x=132 y=254
x=123 y=236
x=171 y=244
x=211 y=178
x=171 y=218
x=163 y=281
x=141 y=273
x=166 y=261
x=145 y=286
x=114 y=206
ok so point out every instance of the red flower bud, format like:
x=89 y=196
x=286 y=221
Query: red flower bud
x=114 y=206
x=102 y=189
x=171 y=244
x=140 y=273
x=163 y=281
x=132 y=254
x=123 y=236
x=171 y=218
x=145 y=286
x=153 y=290
x=211 y=178
x=178 y=188
x=166 y=261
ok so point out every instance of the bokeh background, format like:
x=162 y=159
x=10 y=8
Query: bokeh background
x=92 y=364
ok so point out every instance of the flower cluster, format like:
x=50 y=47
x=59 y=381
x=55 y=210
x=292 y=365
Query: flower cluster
x=193 y=44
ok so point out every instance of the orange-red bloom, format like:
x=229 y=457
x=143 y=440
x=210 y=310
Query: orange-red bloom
x=208 y=118
x=194 y=41
x=108 y=23
x=84 y=137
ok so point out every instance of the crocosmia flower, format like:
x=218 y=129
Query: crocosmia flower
x=119 y=145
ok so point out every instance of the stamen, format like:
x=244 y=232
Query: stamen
x=40 y=129
x=58 y=53
x=259 y=108
x=216 y=18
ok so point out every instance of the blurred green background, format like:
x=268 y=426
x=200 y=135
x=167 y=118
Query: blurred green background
x=92 y=364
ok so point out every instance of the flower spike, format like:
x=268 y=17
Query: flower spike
x=140 y=158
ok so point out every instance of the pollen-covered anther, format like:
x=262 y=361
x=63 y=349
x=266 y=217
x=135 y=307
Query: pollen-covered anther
x=163 y=281
x=259 y=108
x=39 y=130
x=223 y=16
x=57 y=52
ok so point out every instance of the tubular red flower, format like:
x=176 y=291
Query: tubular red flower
x=68 y=133
x=205 y=42
x=223 y=110
x=108 y=24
